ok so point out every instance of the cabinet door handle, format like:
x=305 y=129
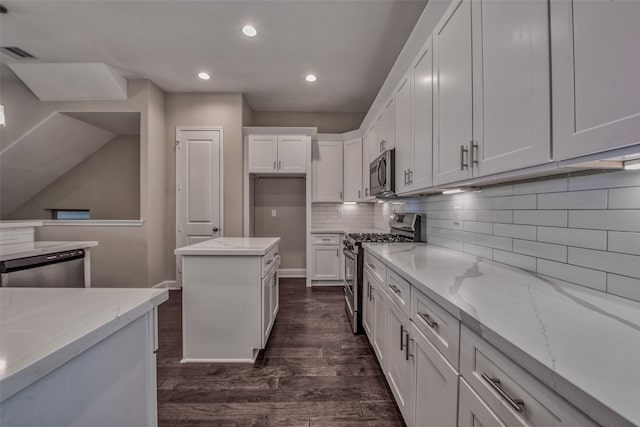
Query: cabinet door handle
x=516 y=404
x=410 y=176
x=359 y=192
x=337 y=254
x=473 y=153
x=401 y=337
x=428 y=320
x=463 y=150
x=274 y=165
x=279 y=165
x=341 y=195
x=366 y=192
x=406 y=347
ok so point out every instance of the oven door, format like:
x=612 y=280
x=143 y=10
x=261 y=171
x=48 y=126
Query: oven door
x=351 y=287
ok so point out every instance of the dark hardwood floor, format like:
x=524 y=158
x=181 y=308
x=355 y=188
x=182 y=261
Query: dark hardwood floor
x=314 y=372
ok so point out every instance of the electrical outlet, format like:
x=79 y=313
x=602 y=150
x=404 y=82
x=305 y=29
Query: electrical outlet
x=273 y=213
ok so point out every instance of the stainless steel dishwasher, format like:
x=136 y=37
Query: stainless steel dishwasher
x=56 y=270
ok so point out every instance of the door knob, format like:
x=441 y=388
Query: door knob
x=215 y=229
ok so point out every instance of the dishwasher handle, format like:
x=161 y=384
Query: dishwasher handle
x=19 y=264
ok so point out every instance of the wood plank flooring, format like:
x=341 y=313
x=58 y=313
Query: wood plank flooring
x=314 y=372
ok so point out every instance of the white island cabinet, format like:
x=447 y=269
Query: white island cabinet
x=78 y=357
x=229 y=298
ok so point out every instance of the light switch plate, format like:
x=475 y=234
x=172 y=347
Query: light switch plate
x=273 y=213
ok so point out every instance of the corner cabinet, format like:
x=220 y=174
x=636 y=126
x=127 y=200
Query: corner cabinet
x=353 y=170
x=281 y=154
x=327 y=171
x=495 y=116
x=595 y=49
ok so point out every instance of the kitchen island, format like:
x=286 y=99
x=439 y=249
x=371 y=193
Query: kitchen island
x=78 y=357
x=229 y=298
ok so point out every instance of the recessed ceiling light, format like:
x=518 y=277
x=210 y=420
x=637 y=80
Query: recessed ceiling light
x=204 y=76
x=249 y=31
x=311 y=78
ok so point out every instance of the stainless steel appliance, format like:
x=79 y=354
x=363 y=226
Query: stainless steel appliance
x=56 y=270
x=382 y=174
x=404 y=227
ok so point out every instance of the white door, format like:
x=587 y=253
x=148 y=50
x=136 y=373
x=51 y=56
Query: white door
x=380 y=301
x=472 y=411
x=326 y=262
x=389 y=124
x=367 y=305
x=353 y=170
x=263 y=153
x=434 y=383
x=421 y=175
x=326 y=171
x=374 y=143
x=292 y=154
x=595 y=57
x=404 y=146
x=453 y=122
x=398 y=367
x=512 y=124
x=199 y=187
x=365 y=168
x=267 y=314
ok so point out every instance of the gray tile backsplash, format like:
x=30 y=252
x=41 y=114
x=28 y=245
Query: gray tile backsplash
x=583 y=229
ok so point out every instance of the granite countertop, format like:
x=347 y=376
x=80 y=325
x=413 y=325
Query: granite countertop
x=41 y=329
x=582 y=343
x=26 y=249
x=231 y=246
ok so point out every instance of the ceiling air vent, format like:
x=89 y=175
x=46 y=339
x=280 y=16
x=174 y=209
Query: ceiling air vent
x=16 y=52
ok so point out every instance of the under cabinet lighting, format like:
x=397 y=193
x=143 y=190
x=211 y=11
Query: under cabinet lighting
x=249 y=31
x=204 y=76
x=380 y=201
x=453 y=191
x=311 y=78
x=3 y=121
x=349 y=203
x=632 y=165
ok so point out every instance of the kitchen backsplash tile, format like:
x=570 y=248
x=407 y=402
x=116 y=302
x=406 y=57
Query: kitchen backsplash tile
x=338 y=215
x=583 y=229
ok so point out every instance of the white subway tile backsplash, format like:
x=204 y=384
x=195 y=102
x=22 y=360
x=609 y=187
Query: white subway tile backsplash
x=616 y=220
x=540 y=250
x=478 y=203
x=583 y=276
x=515 y=202
x=468 y=215
x=550 y=218
x=546 y=186
x=447 y=243
x=481 y=251
x=611 y=262
x=624 y=198
x=623 y=286
x=595 y=199
x=593 y=239
x=628 y=243
x=516 y=260
x=604 y=180
x=505 y=217
x=498 y=242
x=478 y=227
x=527 y=232
x=503 y=190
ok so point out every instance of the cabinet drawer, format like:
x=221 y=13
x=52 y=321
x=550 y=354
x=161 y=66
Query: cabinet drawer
x=376 y=267
x=325 y=239
x=399 y=290
x=269 y=258
x=515 y=396
x=442 y=329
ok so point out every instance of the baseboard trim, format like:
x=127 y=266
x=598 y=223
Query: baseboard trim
x=327 y=283
x=292 y=272
x=167 y=284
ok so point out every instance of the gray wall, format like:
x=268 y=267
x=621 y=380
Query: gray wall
x=287 y=196
x=325 y=122
x=107 y=183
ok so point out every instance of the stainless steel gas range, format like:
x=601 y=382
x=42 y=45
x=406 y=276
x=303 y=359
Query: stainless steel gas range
x=404 y=227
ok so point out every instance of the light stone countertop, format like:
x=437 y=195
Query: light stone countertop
x=231 y=246
x=26 y=249
x=43 y=328
x=20 y=224
x=343 y=230
x=582 y=343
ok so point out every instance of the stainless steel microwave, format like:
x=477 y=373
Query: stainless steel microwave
x=382 y=174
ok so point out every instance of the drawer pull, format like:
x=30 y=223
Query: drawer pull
x=428 y=320
x=516 y=404
x=371 y=265
x=395 y=289
x=270 y=261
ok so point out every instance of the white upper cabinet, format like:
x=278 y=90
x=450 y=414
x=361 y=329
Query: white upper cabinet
x=404 y=140
x=386 y=126
x=366 y=191
x=263 y=153
x=420 y=175
x=374 y=143
x=595 y=48
x=278 y=154
x=511 y=119
x=353 y=170
x=326 y=171
x=453 y=118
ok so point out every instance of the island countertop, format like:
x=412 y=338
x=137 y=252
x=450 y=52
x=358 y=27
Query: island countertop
x=43 y=328
x=10 y=251
x=231 y=246
x=582 y=343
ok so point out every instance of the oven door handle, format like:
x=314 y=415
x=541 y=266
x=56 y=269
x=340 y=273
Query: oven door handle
x=349 y=254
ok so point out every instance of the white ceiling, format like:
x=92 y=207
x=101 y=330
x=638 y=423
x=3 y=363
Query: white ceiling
x=349 y=44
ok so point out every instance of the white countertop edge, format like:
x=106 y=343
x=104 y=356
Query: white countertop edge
x=189 y=251
x=94 y=222
x=20 y=224
x=28 y=375
x=575 y=395
x=53 y=248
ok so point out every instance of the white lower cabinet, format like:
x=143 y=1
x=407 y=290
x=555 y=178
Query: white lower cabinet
x=398 y=370
x=472 y=411
x=434 y=385
x=326 y=257
x=270 y=301
x=380 y=342
x=367 y=305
